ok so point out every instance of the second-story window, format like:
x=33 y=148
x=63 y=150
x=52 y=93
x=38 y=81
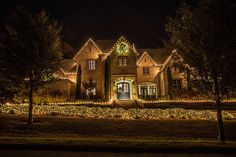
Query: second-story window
x=122 y=61
x=91 y=64
x=145 y=70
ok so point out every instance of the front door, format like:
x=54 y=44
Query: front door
x=123 y=90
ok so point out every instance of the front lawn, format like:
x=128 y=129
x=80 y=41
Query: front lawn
x=55 y=126
x=105 y=134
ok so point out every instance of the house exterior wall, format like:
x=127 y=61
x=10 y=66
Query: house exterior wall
x=176 y=74
x=131 y=73
x=127 y=72
x=63 y=86
x=130 y=68
x=91 y=52
x=153 y=70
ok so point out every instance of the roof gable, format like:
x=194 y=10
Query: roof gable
x=122 y=39
x=158 y=55
x=145 y=56
x=84 y=46
x=173 y=53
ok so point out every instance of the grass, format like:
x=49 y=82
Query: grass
x=198 y=106
x=104 y=134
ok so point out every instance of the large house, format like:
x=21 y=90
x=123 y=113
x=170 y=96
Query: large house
x=119 y=71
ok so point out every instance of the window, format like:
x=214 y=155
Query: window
x=176 y=84
x=145 y=70
x=152 y=90
x=91 y=64
x=122 y=61
x=126 y=87
x=91 y=91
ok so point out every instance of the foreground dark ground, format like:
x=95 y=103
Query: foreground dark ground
x=114 y=135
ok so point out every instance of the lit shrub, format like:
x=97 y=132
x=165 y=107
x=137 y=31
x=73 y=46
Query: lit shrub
x=11 y=111
x=115 y=113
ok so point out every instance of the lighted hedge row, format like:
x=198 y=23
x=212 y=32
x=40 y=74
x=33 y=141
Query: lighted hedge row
x=98 y=112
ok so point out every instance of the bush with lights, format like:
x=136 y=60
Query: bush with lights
x=114 y=113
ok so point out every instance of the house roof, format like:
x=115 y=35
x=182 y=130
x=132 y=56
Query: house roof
x=158 y=55
x=68 y=65
x=105 y=45
x=88 y=41
x=122 y=38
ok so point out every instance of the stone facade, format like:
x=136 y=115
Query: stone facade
x=119 y=71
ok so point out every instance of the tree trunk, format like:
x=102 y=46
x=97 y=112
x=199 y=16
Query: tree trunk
x=170 y=84
x=189 y=84
x=221 y=132
x=30 y=117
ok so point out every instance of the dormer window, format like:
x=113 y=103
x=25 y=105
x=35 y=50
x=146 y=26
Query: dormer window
x=91 y=64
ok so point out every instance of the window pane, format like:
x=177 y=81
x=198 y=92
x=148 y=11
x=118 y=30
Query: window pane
x=91 y=92
x=153 y=90
x=126 y=88
x=119 y=86
x=150 y=90
x=177 y=84
x=91 y=64
x=145 y=70
x=124 y=61
x=120 y=61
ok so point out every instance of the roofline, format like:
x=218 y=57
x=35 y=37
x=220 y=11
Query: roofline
x=141 y=57
x=86 y=43
x=117 y=41
x=168 y=59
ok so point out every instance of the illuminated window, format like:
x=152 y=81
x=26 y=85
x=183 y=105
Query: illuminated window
x=152 y=90
x=176 y=83
x=122 y=61
x=145 y=70
x=126 y=88
x=91 y=92
x=91 y=64
x=120 y=89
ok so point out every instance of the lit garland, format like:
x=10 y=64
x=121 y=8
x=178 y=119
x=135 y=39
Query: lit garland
x=122 y=48
x=88 y=41
x=182 y=101
x=146 y=53
x=110 y=102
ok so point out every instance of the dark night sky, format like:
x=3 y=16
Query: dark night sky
x=141 y=21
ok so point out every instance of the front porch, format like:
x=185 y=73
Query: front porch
x=147 y=90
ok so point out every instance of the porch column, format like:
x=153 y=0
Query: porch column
x=139 y=90
x=148 y=90
x=162 y=83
